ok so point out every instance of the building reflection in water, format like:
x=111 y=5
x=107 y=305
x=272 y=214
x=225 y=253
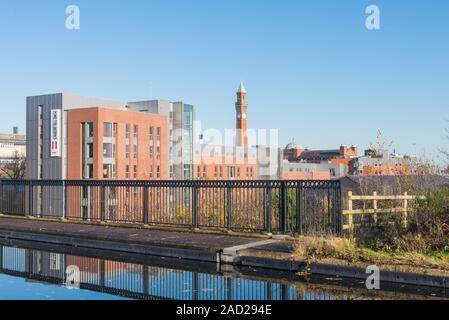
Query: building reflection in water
x=149 y=282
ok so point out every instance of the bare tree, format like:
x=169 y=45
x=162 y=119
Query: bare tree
x=15 y=169
x=445 y=152
x=381 y=143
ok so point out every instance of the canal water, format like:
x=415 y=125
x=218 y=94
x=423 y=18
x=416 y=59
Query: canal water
x=38 y=272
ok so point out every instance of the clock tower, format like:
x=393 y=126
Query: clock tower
x=241 y=108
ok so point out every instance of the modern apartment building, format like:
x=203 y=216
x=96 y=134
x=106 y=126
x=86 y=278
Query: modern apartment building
x=116 y=144
x=180 y=131
x=74 y=137
x=383 y=163
x=312 y=171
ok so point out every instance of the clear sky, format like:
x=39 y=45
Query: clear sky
x=311 y=68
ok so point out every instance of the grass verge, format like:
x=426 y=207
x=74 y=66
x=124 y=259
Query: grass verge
x=316 y=249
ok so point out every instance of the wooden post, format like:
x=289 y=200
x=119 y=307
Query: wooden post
x=350 y=220
x=375 y=207
x=405 y=210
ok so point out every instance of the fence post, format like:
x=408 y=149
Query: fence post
x=103 y=203
x=145 y=204
x=268 y=209
x=405 y=209
x=30 y=198
x=340 y=211
x=375 y=207
x=333 y=203
x=63 y=200
x=283 y=207
x=1 y=196
x=350 y=218
x=228 y=207
x=195 y=205
x=299 y=210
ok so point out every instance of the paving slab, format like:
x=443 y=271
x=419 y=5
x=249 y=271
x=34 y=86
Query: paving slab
x=142 y=236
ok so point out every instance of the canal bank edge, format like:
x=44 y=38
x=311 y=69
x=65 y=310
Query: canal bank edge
x=245 y=254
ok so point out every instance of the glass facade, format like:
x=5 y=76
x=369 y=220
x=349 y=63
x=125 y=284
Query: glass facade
x=187 y=147
x=88 y=150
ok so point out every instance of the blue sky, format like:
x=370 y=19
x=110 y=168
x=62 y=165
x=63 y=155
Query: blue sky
x=311 y=68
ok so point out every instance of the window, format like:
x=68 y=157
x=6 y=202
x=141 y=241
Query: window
x=158 y=152
x=230 y=175
x=158 y=172
x=108 y=171
x=90 y=150
x=221 y=172
x=158 y=134
x=127 y=171
x=89 y=129
x=151 y=134
x=204 y=172
x=216 y=172
x=199 y=172
x=127 y=151
x=151 y=171
x=108 y=150
x=108 y=130
x=151 y=151
x=171 y=172
x=90 y=171
x=136 y=133
x=128 y=129
x=135 y=172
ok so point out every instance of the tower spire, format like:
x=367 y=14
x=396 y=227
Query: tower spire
x=241 y=108
x=241 y=88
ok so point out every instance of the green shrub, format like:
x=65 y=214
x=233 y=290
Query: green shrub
x=427 y=231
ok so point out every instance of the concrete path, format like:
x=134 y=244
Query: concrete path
x=171 y=239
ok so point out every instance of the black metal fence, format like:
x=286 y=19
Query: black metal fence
x=299 y=207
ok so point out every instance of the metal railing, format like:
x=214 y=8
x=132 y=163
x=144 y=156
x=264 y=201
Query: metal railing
x=288 y=207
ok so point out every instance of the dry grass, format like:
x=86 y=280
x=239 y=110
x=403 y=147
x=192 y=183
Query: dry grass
x=314 y=249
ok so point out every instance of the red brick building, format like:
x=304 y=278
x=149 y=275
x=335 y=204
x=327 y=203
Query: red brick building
x=116 y=144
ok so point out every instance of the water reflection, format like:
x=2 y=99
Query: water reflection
x=156 y=281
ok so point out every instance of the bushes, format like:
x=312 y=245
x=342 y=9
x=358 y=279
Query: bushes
x=431 y=220
x=427 y=231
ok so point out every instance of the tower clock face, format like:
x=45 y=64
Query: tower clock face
x=244 y=116
x=239 y=116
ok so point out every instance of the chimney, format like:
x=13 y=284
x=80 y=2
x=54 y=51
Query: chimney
x=15 y=130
